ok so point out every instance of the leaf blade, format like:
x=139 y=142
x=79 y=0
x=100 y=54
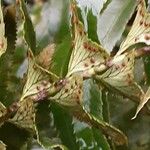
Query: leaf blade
x=65 y=127
x=119 y=77
x=28 y=30
x=110 y=30
x=139 y=28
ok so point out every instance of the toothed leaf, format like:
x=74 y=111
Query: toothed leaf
x=39 y=80
x=85 y=53
x=119 y=77
x=139 y=30
x=115 y=134
x=93 y=98
x=25 y=115
x=64 y=127
x=47 y=133
x=28 y=30
x=86 y=135
x=71 y=96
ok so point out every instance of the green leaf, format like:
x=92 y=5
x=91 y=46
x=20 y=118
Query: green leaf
x=88 y=5
x=96 y=104
x=7 y=133
x=63 y=123
x=10 y=27
x=92 y=101
x=61 y=57
x=63 y=48
x=113 y=20
x=92 y=27
x=60 y=67
x=106 y=112
x=105 y=5
x=115 y=134
x=8 y=78
x=89 y=138
x=101 y=139
x=64 y=28
x=28 y=30
x=70 y=97
x=47 y=133
x=97 y=108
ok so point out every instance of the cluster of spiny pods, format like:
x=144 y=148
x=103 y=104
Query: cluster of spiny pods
x=88 y=60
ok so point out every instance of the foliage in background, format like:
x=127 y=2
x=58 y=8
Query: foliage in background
x=55 y=127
